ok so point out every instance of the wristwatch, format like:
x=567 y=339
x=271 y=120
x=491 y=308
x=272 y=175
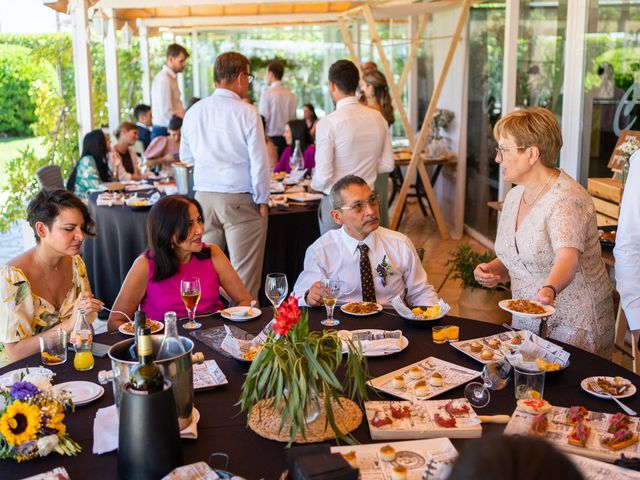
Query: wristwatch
x=552 y=288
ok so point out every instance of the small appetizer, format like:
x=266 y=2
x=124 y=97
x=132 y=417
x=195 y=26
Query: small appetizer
x=534 y=405
x=457 y=407
x=541 y=364
x=398 y=473
x=421 y=389
x=475 y=346
x=622 y=438
x=486 y=354
x=398 y=382
x=494 y=343
x=618 y=421
x=388 y=453
x=400 y=411
x=517 y=340
x=351 y=458
x=539 y=425
x=415 y=373
x=437 y=380
x=577 y=414
x=445 y=420
x=579 y=435
x=380 y=419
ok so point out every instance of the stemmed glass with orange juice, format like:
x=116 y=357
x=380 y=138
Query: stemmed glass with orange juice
x=190 y=292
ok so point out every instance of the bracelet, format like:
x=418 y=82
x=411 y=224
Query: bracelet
x=551 y=287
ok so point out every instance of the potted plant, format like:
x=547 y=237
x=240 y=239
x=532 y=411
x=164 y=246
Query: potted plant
x=477 y=302
x=293 y=380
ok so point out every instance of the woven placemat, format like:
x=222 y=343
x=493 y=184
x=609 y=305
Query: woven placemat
x=265 y=421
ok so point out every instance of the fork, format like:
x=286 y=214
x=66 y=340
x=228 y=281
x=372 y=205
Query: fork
x=598 y=389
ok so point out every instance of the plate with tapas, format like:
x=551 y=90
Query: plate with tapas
x=526 y=308
x=128 y=328
x=617 y=387
x=361 y=309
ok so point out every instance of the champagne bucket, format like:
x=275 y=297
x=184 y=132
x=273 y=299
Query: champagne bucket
x=149 y=445
x=183 y=174
x=179 y=370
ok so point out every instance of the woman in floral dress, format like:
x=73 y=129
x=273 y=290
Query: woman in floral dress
x=547 y=241
x=45 y=286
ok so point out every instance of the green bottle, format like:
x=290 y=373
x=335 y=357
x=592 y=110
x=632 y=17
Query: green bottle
x=146 y=376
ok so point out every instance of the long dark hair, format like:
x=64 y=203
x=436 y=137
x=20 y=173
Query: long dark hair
x=312 y=110
x=167 y=219
x=95 y=145
x=381 y=91
x=300 y=131
x=47 y=205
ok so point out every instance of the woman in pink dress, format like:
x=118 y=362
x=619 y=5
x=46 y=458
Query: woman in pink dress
x=163 y=151
x=297 y=130
x=176 y=251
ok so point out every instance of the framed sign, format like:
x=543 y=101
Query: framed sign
x=628 y=143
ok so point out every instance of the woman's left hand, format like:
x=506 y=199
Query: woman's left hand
x=546 y=296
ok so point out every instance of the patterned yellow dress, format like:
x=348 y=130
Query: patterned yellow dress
x=24 y=314
x=563 y=217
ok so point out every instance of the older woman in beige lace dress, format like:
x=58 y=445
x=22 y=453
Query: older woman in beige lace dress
x=547 y=242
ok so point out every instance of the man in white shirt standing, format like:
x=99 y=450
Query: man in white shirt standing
x=224 y=139
x=353 y=139
x=165 y=93
x=277 y=105
x=374 y=264
x=627 y=249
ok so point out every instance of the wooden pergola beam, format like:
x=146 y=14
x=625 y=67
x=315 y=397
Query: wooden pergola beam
x=241 y=20
x=344 y=28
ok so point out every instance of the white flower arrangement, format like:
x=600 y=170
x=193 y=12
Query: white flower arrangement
x=629 y=146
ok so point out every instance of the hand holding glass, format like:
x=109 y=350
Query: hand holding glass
x=332 y=291
x=190 y=292
x=495 y=376
x=276 y=288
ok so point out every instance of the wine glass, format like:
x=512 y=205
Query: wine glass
x=276 y=288
x=190 y=293
x=332 y=288
x=495 y=376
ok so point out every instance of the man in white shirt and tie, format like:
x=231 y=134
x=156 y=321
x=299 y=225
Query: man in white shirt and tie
x=224 y=139
x=277 y=105
x=374 y=264
x=353 y=139
x=165 y=93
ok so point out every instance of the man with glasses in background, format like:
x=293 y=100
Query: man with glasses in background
x=374 y=264
x=353 y=139
x=224 y=139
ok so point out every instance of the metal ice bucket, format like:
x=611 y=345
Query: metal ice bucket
x=183 y=174
x=177 y=369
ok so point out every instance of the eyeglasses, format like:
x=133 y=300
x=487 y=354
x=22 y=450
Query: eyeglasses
x=500 y=150
x=250 y=76
x=358 y=207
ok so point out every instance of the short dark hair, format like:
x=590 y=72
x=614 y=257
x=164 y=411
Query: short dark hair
x=345 y=75
x=228 y=66
x=345 y=182
x=175 y=123
x=277 y=68
x=174 y=50
x=169 y=217
x=140 y=110
x=47 y=205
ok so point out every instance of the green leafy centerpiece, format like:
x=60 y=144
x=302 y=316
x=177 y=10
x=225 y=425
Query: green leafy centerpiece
x=292 y=392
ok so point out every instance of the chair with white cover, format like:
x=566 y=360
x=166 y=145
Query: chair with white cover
x=50 y=177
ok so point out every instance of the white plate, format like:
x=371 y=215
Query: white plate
x=378 y=309
x=583 y=384
x=404 y=343
x=13 y=376
x=155 y=325
x=549 y=310
x=81 y=392
x=239 y=314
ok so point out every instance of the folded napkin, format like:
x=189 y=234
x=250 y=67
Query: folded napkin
x=106 y=424
x=276 y=187
x=405 y=312
x=375 y=343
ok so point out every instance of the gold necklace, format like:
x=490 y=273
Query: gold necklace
x=539 y=191
x=52 y=298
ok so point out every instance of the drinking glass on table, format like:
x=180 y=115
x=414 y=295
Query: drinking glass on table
x=495 y=376
x=276 y=288
x=332 y=291
x=190 y=292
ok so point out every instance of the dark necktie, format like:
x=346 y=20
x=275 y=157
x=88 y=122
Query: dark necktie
x=366 y=277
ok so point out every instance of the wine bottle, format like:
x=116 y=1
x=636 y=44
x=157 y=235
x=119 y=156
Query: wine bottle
x=146 y=376
x=171 y=345
x=139 y=319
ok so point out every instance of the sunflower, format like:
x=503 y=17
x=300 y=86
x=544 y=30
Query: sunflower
x=55 y=422
x=20 y=423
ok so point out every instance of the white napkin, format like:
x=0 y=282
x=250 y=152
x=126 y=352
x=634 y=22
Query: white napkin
x=380 y=346
x=195 y=471
x=276 y=187
x=106 y=425
x=405 y=312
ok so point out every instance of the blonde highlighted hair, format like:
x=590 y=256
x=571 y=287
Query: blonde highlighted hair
x=532 y=127
x=381 y=91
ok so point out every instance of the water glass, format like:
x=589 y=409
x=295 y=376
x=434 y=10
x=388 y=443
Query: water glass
x=528 y=383
x=276 y=288
x=53 y=347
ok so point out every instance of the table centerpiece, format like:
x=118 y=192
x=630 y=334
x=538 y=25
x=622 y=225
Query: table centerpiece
x=291 y=386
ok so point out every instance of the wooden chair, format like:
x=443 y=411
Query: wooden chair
x=621 y=347
x=50 y=177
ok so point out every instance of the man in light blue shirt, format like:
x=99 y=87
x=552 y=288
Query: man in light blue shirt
x=224 y=139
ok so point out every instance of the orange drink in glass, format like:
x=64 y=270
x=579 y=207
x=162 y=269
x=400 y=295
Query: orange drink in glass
x=439 y=334
x=453 y=333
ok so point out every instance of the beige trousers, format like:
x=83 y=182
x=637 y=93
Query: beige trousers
x=232 y=220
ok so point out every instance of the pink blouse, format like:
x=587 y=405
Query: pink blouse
x=309 y=156
x=164 y=295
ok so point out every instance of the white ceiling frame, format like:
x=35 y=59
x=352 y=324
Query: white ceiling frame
x=204 y=3
x=212 y=21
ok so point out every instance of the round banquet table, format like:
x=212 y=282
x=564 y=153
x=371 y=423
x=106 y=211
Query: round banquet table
x=121 y=235
x=223 y=429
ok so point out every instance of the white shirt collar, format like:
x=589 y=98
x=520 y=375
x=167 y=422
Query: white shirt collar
x=277 y=83
x=142 y=125
x=225 y=92
x=352 y=244
x=169 y=71
x=346 y=101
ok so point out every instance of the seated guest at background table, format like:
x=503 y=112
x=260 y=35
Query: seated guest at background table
x=374 y=264
x=142 y=114
x=92 y=168
x=163 y=151
x=44 y=287
x=510 y=457
x=311 y=118
x=192 y=102
x=272 y=150
x=174 y=233
x=297 y=130
x=123 y=160
x=547 y=241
